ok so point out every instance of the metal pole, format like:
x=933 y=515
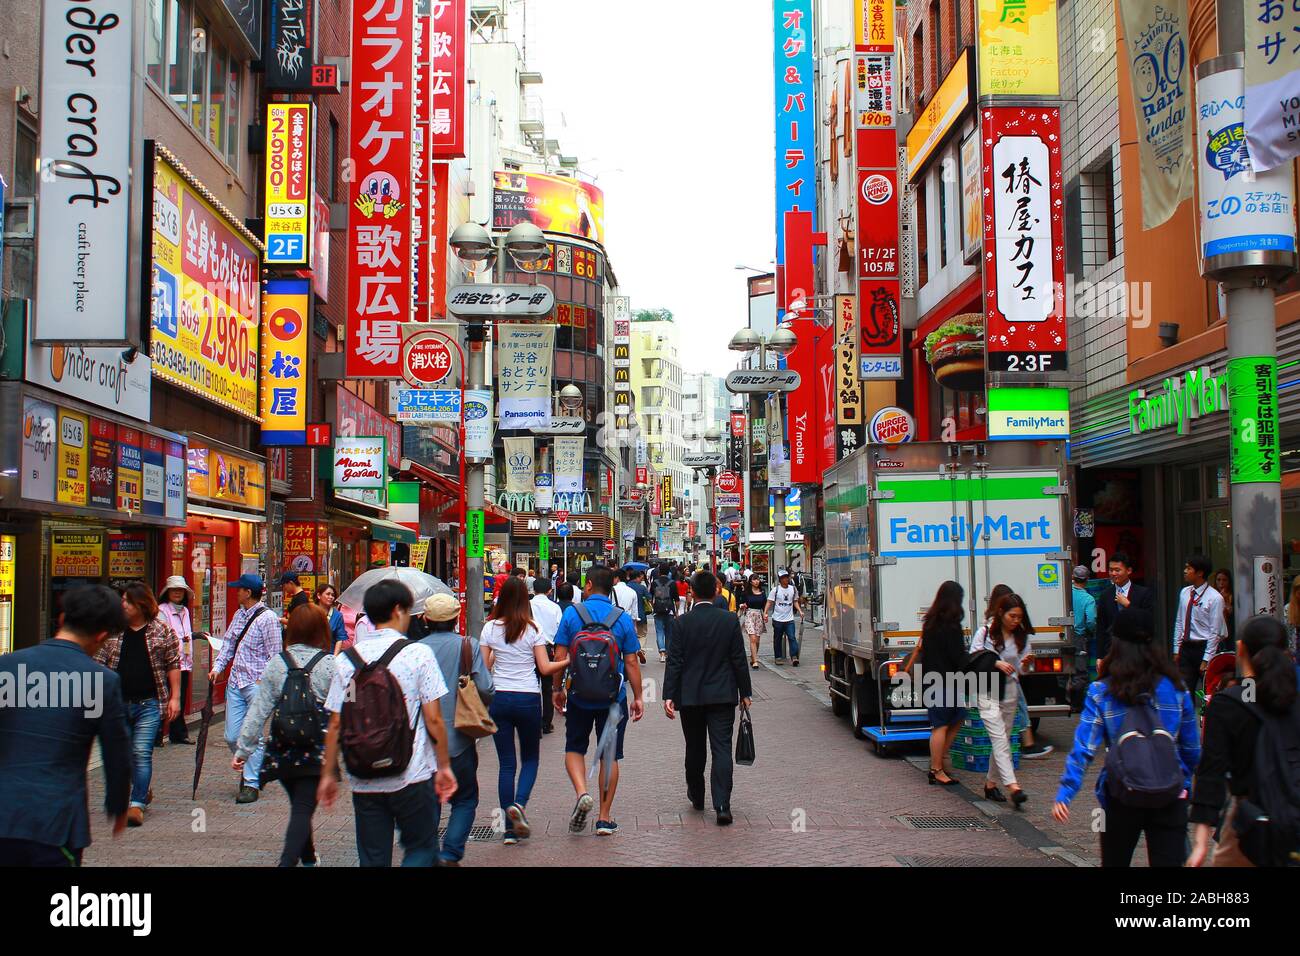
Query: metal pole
x=476 y=334
x=1252 y=334
x=713 y=519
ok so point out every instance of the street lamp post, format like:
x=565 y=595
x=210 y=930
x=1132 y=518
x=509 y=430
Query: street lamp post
x=476 y=248
x=782 y=342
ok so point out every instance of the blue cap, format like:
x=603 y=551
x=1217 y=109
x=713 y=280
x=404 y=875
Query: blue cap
x=250 y=581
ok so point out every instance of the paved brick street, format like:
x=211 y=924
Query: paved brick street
x=816 y=796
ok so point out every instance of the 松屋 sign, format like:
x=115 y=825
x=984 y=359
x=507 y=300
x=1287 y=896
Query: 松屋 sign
x=359 y=462
x=86 y=285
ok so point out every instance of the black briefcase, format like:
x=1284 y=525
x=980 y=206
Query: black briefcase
x=745 y=740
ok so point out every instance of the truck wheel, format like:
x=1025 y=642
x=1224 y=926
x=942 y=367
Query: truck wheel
x=839 y=706
x=856 y=715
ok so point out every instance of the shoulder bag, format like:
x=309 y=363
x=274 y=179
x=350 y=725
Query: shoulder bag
x=472 y=717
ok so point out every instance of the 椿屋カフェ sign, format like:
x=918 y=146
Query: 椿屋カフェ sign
x=359 y=462
x=88 y=225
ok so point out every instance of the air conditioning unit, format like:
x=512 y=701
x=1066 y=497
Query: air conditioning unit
x=20 y=219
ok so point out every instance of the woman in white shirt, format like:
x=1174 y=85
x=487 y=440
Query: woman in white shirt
x=515 y=651
x=1007 y=637
x=174 y=609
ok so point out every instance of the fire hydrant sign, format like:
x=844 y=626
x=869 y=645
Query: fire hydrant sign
x=359 y=462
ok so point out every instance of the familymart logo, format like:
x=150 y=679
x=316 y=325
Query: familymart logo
x=1197 y=393
x=76 y=909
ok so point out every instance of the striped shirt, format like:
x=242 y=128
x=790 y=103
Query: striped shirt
x=1101 y=722
x=260 y=644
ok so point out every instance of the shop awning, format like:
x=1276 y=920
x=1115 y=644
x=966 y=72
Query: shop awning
x=446 y=488
x=226 y=515
x=381 y=530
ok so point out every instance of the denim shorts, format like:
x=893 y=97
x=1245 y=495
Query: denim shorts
x=579 y=723
x=944 y=716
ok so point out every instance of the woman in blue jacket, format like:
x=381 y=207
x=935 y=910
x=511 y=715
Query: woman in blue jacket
x=1136 y=668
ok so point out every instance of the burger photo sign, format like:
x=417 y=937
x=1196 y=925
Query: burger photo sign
x=955 y=352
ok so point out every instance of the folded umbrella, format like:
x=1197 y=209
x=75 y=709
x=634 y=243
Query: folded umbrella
x=205 y=719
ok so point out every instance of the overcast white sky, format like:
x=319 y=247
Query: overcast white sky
x=670 y=104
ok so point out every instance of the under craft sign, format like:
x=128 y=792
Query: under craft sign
x=84 y=278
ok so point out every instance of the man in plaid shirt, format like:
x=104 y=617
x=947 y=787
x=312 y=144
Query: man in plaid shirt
x=247 y=662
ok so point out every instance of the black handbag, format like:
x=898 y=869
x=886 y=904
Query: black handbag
x=986 y=662
x=745 y=740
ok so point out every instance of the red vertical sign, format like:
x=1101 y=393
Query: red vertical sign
x=801 y=406
x=800 y=283
x=447 y=42
x=879 y=302
x=379 y=215
x=826 y=376
x=438 y=214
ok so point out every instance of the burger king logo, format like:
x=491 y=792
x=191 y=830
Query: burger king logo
x=877 y=189
x=892 y=426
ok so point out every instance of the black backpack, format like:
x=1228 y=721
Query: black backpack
x=1268 y=821
x=298 y=720
x=665 y=598
x=1142 y=766
x=594 y=651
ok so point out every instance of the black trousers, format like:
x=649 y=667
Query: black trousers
x=177 y=729
x=1165 y=829
x=1190 y=655
x=709 y=726
x=302 y=805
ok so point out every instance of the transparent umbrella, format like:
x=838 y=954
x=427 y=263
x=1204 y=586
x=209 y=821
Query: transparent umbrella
x=422 y=585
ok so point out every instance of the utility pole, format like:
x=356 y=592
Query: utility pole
x=1248 y=280
x=476 y=334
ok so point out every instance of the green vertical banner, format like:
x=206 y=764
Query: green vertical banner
x=474 y=534
x=543 y=548
x=1252 y=410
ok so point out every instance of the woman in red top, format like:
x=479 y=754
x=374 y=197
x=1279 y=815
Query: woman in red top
x=683 y=595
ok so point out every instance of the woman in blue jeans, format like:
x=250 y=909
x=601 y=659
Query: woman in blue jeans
x=515 y=651
x=147 y=659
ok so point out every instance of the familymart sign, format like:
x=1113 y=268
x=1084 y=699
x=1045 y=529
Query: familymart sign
x=1196 y=393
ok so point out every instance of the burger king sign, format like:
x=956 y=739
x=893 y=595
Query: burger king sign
x=891 y=426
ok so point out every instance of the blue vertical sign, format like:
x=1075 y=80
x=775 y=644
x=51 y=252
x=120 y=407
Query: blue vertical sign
x=796 y=114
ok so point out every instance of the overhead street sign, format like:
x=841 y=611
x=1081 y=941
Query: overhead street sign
x=561 y=426
x=500 y=301
x=745 y=381
x=708 y=459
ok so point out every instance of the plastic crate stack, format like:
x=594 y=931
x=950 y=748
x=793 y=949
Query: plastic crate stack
x=972 y=749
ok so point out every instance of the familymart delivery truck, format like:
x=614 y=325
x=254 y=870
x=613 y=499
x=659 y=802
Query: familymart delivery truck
x=901 y=520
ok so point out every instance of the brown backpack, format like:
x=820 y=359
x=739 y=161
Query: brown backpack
x=375 y=729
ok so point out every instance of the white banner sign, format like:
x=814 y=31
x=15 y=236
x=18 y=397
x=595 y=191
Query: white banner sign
x=100 y=376
x=1156 y=34
x=519 y=465
x=543 y=491
x=568 y=464
x=524 y=354
x=478 y=423
x=359 y=462
x=1242 y=210
x=1272 y=82
x=83 y=232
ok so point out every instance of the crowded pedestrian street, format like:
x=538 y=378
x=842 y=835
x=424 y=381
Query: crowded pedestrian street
x=815 y=797
x=745 y=440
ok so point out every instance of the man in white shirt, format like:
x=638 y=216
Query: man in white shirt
x=546 y=615
x=782 y=606
x=412 y=798
x=623 y=596
x=1199 y=623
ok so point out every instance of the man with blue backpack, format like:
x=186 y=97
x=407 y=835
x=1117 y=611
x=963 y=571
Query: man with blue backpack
x=599 y=641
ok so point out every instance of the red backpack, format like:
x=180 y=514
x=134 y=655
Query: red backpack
x=375 y=729
x=594 y=657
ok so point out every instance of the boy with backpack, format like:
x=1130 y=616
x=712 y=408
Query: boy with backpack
x=599 y=642
x=384 y=715
x=663 y=601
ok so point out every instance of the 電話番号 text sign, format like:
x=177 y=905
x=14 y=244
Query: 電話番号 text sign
x=1024 y=240
x=379 y=222
x=359 y=462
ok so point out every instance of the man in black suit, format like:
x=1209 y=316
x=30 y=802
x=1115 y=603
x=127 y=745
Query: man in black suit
x=45 y=748
x=1124 y=594
x=707 y=674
